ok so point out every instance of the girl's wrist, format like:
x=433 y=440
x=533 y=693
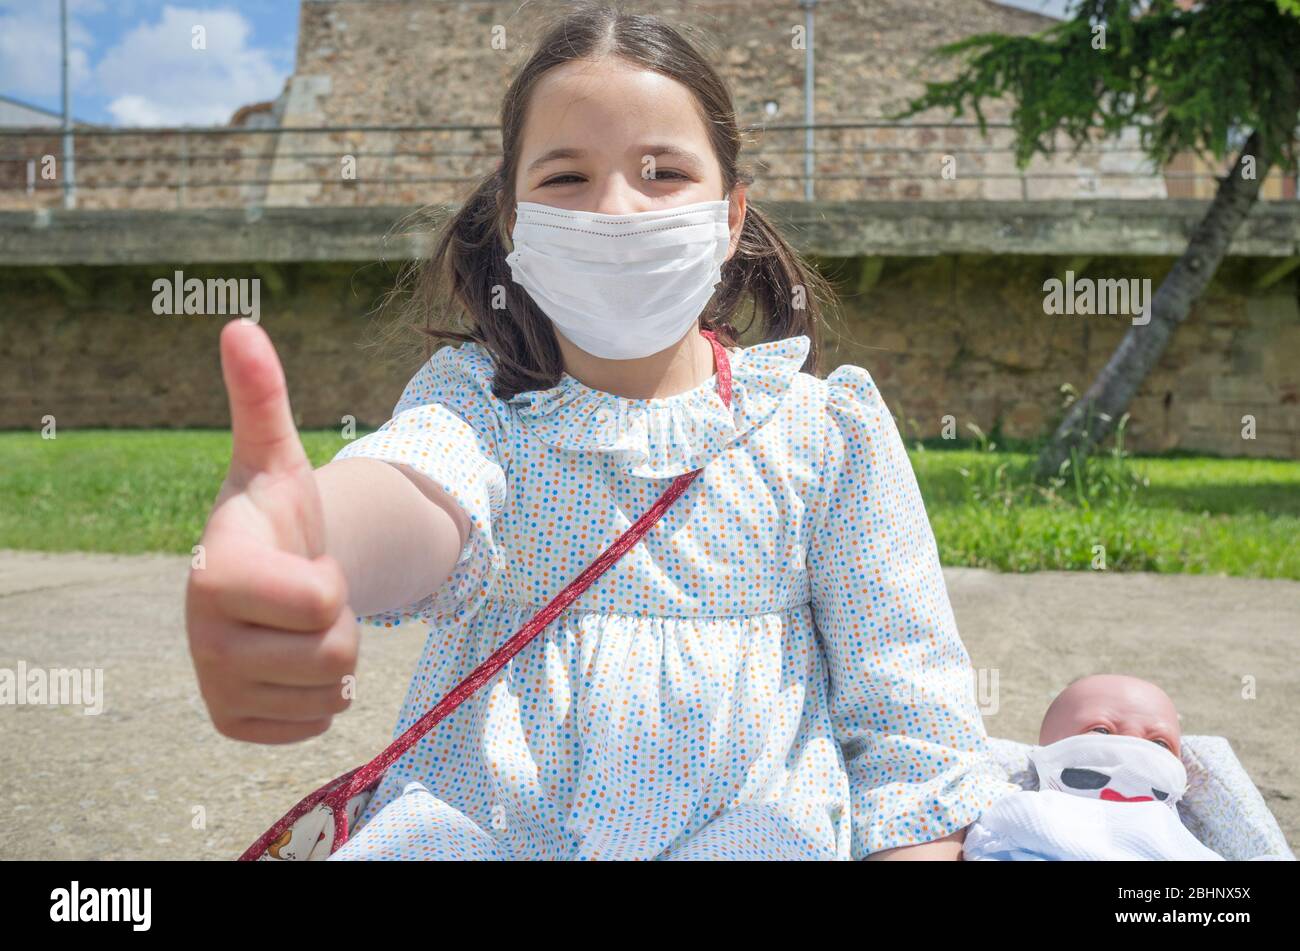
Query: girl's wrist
x=947 y=849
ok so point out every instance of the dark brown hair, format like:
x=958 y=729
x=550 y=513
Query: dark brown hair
x=457 y=282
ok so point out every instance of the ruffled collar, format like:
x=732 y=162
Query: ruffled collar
x=667 y=436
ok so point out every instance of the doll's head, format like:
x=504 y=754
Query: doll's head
x=612 y=113
x=1111 y=737
x=1113 y=705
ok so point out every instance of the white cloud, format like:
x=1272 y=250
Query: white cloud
x=1059 y=9
x=154 y=76
x=30 y=58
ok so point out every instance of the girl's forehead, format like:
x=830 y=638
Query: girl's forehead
x=607 y=102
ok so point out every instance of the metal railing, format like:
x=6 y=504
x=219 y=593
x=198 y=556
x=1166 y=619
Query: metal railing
x=380 y=164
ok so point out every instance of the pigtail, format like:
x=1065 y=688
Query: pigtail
x=464 y=292
x=782 y=289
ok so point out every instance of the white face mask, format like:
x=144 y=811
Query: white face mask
x=1114 y=768
x=620 y=286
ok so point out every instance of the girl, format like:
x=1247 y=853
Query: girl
x=772 y=672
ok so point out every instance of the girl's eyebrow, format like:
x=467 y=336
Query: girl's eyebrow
x=656 y=151
x=554 y=154
x=672 y=151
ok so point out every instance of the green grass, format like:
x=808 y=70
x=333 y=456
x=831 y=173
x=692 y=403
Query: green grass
x=1193 y=515
x=117 y=490
x=137 y=491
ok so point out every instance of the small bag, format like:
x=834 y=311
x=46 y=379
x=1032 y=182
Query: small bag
x=319 y=825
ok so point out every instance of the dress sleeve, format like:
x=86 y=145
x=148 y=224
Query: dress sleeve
x=901 y=694
x=449 y=426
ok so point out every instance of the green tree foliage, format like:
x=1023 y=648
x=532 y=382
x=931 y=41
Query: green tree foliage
x=1186 y=80
x=1218 y=76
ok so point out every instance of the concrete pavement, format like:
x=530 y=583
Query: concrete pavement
x=150 y=778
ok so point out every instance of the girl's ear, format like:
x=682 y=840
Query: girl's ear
x=736 y=218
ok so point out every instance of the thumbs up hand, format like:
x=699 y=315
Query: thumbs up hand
x=270 y=631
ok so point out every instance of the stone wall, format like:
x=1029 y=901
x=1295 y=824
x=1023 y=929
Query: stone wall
x=83 y=344
x=359 y=62
x=139 y=169
x=363 y=64
x=967 y=336
x=958 y=335
x=450 y=62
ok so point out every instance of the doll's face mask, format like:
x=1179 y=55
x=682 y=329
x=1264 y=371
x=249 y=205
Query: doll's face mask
x=1111 y=768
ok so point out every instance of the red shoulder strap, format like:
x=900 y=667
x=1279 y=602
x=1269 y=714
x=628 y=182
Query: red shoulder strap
x=337 y=793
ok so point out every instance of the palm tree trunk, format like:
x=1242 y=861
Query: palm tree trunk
x=1092 y=418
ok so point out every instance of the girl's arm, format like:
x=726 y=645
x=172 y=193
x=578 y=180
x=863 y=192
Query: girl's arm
x=947 y=849
x=286 y=549
x=901 y=689
x=440 y=468
x=395 y=534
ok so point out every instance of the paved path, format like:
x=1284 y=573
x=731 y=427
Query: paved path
x=135 y=780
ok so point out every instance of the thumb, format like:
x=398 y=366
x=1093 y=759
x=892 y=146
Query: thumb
x=261 y=423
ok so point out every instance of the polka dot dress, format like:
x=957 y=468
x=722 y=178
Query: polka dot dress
x=773 y=672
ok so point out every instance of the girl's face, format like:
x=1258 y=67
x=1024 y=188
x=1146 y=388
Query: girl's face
x=610 y=137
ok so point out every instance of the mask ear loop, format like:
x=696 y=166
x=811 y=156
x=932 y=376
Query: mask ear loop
x=725 y=325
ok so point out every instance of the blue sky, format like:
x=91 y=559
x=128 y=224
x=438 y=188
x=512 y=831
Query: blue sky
x=133 y=62
x=1052 y=8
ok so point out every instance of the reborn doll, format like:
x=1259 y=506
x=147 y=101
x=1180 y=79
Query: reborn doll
x=1109 y=781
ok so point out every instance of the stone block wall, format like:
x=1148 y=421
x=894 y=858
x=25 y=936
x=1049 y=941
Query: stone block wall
x=363 y=63
x=360 y=62
x=967 y=336
x=141 y=170
x=963 y=336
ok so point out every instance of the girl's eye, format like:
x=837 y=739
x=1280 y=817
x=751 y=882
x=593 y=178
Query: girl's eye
x=1100 y=729
x=570 y=178
x=1162 y=743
